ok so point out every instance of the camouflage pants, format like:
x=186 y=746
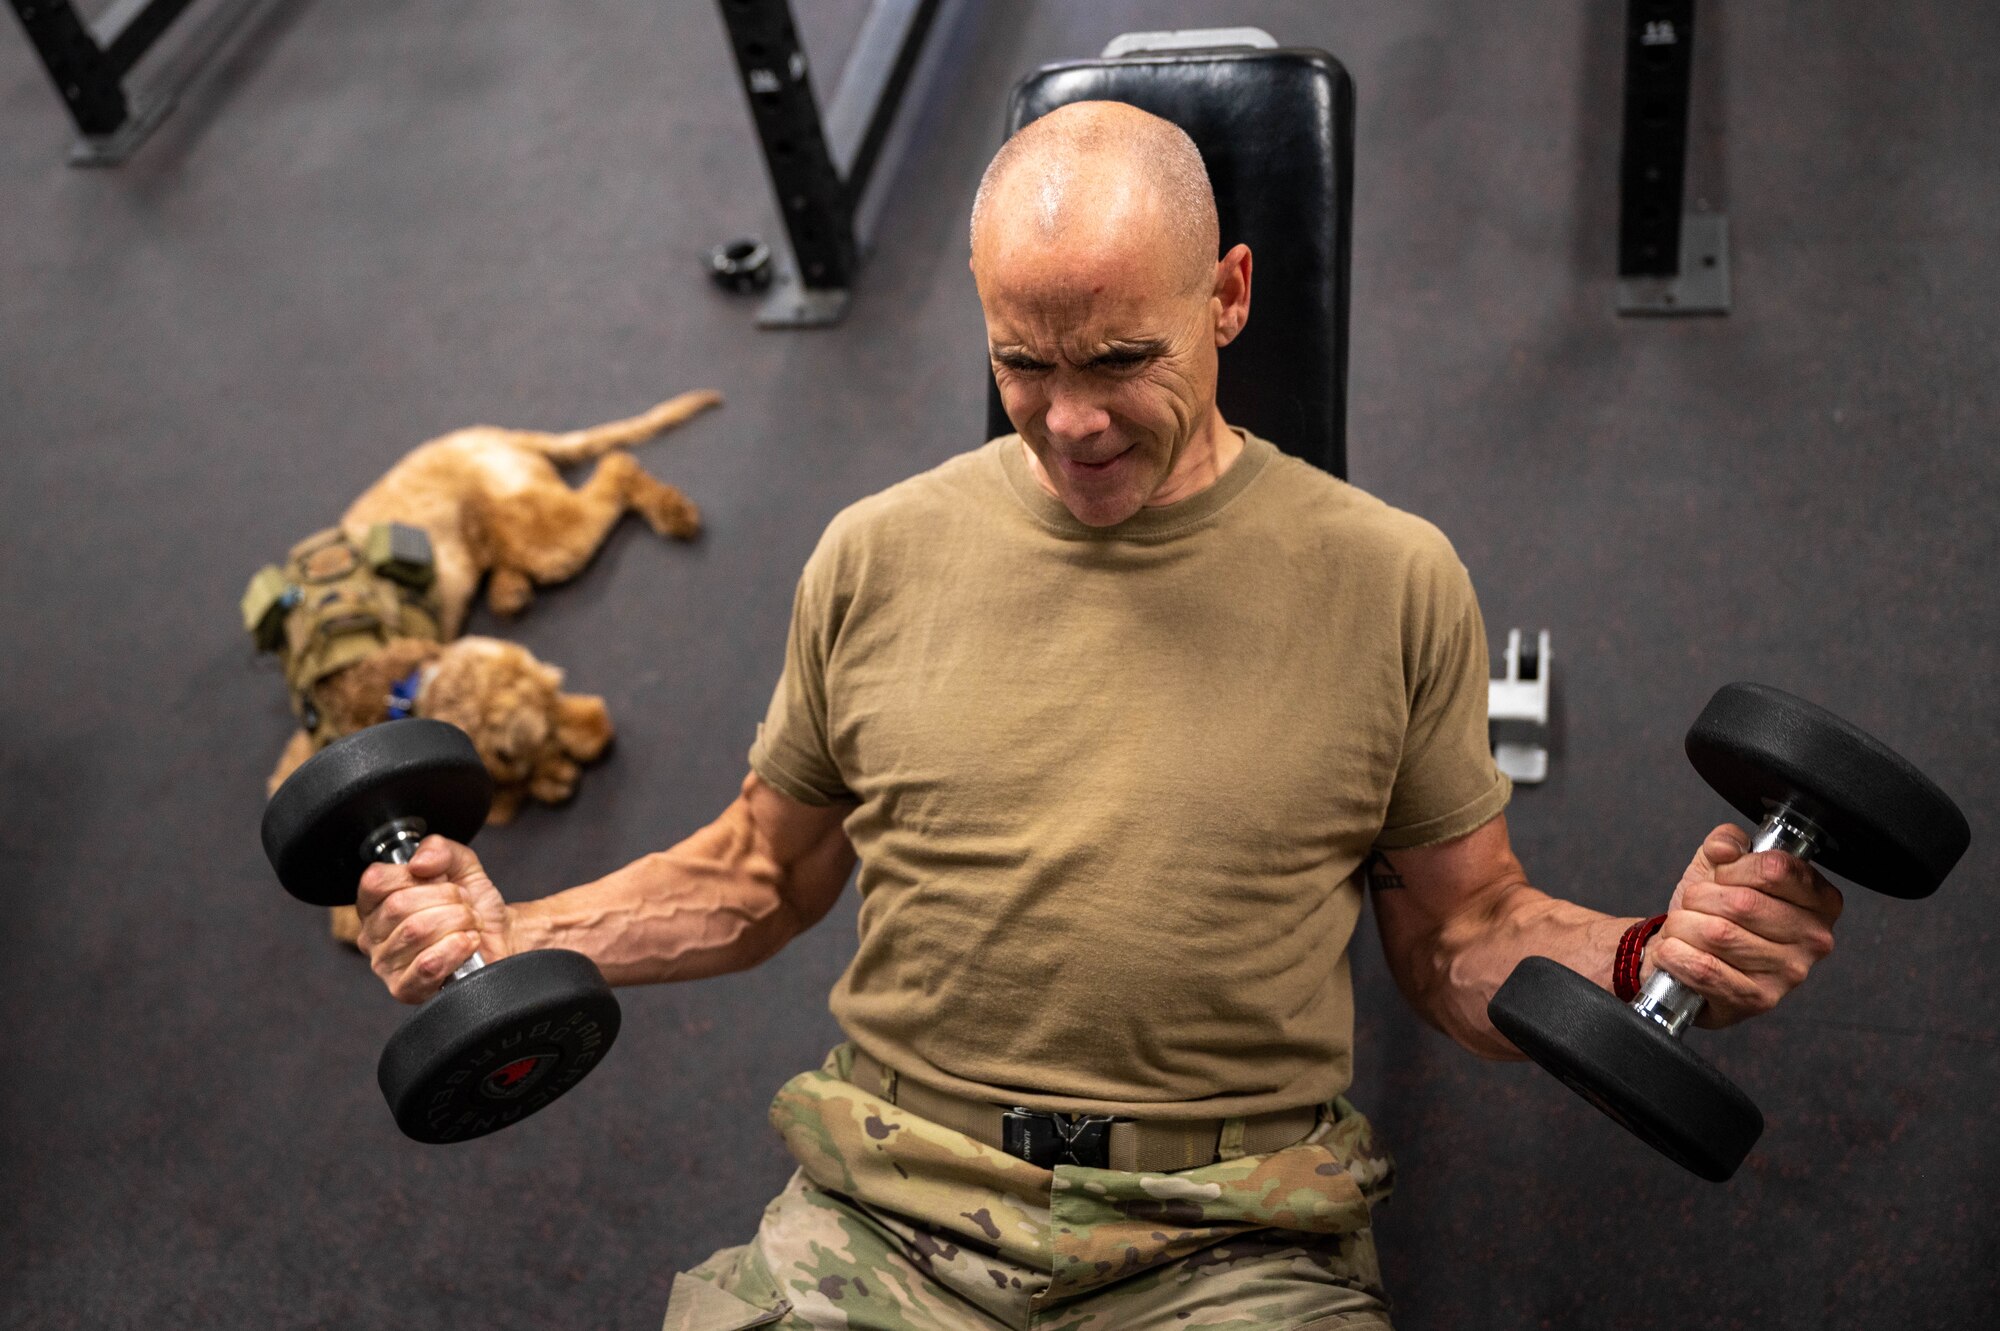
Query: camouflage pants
x=893 y=1223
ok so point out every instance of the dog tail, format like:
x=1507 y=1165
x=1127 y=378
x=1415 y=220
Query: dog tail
x=595 y=442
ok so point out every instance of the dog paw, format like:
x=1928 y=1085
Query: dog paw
x=509 y=591
x=555 y=780
x=675 y=516
x=669 y=512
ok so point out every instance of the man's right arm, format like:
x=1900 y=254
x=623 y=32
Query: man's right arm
x=723 y=900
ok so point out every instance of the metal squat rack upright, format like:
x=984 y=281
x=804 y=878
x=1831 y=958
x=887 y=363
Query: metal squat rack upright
x=820 y=169
x=1669 y=261
x=88 y=62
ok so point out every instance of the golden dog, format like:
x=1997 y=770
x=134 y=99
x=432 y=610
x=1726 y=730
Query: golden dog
x=494 y=507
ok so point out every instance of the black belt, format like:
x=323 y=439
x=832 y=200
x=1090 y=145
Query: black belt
x=1093 y=1141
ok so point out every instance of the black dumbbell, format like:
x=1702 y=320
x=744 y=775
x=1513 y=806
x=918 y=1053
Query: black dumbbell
x=1823 y=791
x=499 y=1041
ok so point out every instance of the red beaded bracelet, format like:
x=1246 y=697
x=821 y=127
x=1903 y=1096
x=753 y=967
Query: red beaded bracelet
x=1631 y=947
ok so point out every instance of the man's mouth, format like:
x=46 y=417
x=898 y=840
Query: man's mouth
x=1083 y=468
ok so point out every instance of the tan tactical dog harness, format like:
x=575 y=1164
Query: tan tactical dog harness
x=334 y=603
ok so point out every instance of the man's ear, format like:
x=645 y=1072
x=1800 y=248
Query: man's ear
x=1232 y=294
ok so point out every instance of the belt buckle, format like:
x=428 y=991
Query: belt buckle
x=1048 y=1139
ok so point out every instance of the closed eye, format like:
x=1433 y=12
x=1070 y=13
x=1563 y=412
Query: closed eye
x=1019 y=363
x=1114 y=362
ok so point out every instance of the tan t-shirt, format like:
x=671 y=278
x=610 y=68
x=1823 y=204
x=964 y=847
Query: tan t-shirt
x=1114 y=785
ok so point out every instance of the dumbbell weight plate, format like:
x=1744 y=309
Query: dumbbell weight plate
x=314 y=826
x=498 y=1045
x=1666 y=1094
x=1890 y=828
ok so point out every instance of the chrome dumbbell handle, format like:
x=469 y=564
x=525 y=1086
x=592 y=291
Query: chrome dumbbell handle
x=396 y=842
x=1672 y=1004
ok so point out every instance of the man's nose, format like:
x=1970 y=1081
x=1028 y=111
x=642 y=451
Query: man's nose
x=1072 y=415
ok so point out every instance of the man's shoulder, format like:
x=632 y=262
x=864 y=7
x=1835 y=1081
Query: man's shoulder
x=1306 y=499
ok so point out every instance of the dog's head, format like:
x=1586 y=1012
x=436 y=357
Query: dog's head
x=532 y=736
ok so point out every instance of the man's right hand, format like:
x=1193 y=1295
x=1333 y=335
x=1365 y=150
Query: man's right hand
x=422 y=920
x=721 y=900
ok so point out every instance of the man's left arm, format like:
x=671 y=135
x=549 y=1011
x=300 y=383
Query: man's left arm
x=1742 y=930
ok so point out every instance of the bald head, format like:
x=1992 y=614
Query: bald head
x=1095 y=171
x=1094 y=244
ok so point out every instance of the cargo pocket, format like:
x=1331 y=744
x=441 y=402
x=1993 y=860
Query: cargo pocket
x=696 y=1305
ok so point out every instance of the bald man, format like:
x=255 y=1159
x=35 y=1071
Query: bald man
x=1115 y=713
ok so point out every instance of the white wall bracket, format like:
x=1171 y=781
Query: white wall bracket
x=1517 y=711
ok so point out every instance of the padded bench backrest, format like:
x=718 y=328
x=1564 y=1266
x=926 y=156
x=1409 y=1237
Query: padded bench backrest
x=1276 y=128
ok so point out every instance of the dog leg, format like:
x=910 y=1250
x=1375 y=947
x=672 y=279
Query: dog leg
x=549 y=534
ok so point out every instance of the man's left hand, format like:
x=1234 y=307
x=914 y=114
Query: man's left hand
x=1743 y=930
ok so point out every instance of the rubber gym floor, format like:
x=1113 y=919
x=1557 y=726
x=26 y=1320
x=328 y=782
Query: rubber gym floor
x=372 y=222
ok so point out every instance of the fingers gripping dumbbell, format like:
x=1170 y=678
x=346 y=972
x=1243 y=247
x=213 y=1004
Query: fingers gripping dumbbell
x=499 y=1041
x=1823 y=791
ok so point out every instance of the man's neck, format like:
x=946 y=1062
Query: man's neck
x=1212 y=452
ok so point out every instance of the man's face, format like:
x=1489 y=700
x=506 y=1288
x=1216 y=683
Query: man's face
x=1105 y=358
